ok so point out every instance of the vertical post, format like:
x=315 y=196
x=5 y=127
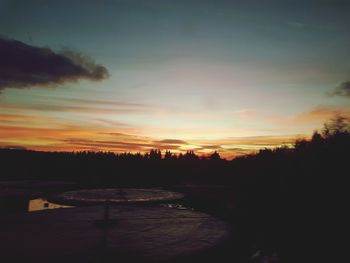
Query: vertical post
x=106 y=214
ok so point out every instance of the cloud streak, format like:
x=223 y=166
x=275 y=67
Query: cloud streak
x=299 y=25
x=70 y=138
x=24 y=66
x=321 y=114
x=171 y=141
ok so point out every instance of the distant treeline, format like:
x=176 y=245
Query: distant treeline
x=108 y=168
x=153 y=155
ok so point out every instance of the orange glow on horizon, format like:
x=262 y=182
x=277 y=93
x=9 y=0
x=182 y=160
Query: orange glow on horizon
x=72 y=139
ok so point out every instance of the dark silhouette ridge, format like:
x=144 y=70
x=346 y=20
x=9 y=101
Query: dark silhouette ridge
x=282 y=203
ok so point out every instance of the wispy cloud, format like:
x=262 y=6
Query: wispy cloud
x=110 y=122
x=124 y=143
x=79 y=107
x=104 y=102
x=306 y=26
x=321 y=114
x=109 y=145
x=314 y=117
x=15 y=118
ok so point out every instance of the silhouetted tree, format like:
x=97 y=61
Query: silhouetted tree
x=337 y=125
x=215 y=156
x=190 y=156
x=168 y=155
x=155 y=155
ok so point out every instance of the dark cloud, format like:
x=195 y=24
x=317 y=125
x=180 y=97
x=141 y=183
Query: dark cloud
x=120 y=146
x=23 y=66
x=106 y=144
x=171 y=141
x=211 y=147
x=342 y=90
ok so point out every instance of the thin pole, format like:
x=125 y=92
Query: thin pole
x=106 y=214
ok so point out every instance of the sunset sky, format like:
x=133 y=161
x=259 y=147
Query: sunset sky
x=132 y=75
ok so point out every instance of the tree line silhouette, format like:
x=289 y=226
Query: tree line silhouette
x=106 y=168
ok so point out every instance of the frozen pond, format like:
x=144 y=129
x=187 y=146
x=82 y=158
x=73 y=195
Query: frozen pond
x=115 y=196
